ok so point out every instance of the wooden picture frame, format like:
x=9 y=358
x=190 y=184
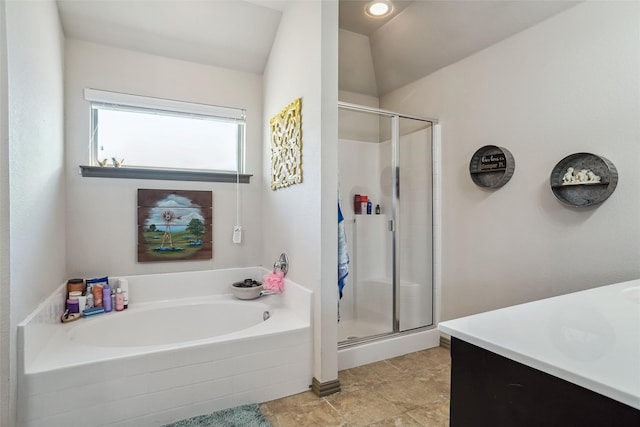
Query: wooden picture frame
x=174 y=225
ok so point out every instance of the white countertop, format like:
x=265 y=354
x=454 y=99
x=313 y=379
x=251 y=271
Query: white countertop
x=590 y=338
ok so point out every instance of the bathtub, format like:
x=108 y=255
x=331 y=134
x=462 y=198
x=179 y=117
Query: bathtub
x=171 y=322
x=164 y=358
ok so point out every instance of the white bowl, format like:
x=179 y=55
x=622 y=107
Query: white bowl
x=246 y=293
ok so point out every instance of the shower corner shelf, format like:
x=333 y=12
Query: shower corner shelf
x=491 y=167
x=583 y=194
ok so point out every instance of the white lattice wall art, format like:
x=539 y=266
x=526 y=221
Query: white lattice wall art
x=286 y=146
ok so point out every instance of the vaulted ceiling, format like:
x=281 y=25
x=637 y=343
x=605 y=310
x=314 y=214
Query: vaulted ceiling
x=232 y=34
x=426 y=36
x=376 y=56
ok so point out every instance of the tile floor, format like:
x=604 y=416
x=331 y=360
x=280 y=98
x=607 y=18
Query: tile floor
x=410 y=390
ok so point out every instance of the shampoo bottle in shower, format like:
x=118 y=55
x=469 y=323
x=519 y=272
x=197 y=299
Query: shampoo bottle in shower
x=106 y=297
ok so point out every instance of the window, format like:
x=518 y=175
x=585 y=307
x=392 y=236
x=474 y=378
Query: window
x=155 y=133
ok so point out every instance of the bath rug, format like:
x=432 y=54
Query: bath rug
x=240 y=416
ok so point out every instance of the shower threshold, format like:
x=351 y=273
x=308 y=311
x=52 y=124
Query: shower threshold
x=353 y=341
x=371 y=349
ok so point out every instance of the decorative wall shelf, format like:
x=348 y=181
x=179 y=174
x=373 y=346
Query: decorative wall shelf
x=583 y=179
x=491 y=167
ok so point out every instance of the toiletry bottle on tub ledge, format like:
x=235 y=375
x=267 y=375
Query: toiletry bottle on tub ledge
x=106 y=297
x=97 y=295
x=124 y=285
x=89 y=296
x=119 y=299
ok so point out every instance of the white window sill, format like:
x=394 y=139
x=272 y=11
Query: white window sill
x=162 y=174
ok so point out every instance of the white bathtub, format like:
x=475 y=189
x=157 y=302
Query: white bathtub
x=171 y=322
x=164 y=359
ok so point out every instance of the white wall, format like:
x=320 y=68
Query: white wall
x=356 y=63
x=356 y=125
x=357 y=98
x=37 y=207
x=4 y=227
x=359 y=172
x=102 y=213
x=567 y=85
x=301 y=220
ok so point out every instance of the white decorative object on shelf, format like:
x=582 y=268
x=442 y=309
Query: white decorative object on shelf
x=568 y=177
x=583 y=179
x=583 y=176
x=592 y=177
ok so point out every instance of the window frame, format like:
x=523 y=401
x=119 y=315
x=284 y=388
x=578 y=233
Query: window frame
x=114 y=100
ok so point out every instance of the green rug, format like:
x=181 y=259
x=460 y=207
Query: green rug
x=241 y=416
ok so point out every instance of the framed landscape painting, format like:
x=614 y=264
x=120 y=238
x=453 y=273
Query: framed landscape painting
x=175 y=225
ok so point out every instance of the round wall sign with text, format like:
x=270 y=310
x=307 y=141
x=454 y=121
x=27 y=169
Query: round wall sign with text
x=491 y=167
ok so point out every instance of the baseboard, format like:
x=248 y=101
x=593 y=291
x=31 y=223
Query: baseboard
x=445 y=342
x=325 y=389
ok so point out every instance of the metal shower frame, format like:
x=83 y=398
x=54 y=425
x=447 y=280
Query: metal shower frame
x=394 y=225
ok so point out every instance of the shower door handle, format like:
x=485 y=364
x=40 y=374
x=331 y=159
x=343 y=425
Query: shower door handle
x=392 y=227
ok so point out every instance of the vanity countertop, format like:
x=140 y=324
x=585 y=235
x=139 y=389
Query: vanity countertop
x=590 y=338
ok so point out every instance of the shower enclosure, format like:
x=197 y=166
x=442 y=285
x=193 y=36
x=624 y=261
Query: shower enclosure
x=388 y=158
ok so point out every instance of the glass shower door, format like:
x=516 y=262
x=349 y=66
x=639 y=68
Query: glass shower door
x=414 y=240
x=386 y=158
x=364 y=150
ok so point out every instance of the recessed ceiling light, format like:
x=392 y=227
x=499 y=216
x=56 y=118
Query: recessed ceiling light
x=378 y=8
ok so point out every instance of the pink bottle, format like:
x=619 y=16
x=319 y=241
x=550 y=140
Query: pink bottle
x=119 y=300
